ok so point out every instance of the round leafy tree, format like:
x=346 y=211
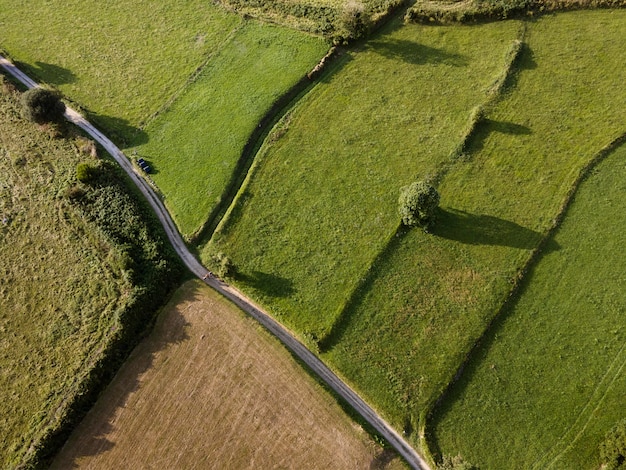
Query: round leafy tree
x=417 y=204
x=613 y=449
x=42 y=105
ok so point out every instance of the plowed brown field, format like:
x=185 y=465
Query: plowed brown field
x=210 y=389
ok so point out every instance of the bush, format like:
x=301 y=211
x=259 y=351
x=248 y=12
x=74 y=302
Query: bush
x=354 y=20
x=455 y=463
x=417 y=204
x=41 y=105
x=85 y=172
x=613 y=449
x=225 y=266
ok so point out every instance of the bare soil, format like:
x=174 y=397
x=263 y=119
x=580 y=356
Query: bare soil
x=210 y=389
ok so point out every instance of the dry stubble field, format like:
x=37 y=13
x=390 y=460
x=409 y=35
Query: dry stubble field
x=210 y=389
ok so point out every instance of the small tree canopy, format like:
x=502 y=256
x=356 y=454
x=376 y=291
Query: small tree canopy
x=613 y=448
x=41 y=105
x=417 y=204
x=354 y=20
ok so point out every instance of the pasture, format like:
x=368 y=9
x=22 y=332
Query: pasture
x=210 y=389
x=396 y=312
x=320 y=203
x=402 y=337
x=549 y=378
x=197 y=142
x=121 y=60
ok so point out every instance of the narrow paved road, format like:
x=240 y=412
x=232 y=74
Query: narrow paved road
x=310 y=359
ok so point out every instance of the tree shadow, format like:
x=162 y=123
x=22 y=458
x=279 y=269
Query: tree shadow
x=487 y=126
x=269 y=284
x=481 y=229
x=362 y=287
x=91 y=436
x=49 y=73
x=414 y=53
x=54 y=74
x=525 y=61
x=119 y=130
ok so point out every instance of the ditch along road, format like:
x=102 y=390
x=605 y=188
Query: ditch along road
x=279 y=331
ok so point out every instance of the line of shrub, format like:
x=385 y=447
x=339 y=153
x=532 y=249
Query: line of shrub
x=499 y=9
x=146 y=257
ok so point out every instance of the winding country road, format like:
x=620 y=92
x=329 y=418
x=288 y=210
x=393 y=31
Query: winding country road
x=297 y=348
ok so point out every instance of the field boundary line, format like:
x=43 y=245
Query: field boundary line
x=602 y=389
x=520 y=280
x=403 y=448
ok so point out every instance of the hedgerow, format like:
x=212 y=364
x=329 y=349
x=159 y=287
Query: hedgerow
x=484 y=10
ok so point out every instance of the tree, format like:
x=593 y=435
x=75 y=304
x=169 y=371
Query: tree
x=41 y=105
x=417 y=204
x=354 y=20
x=613 y=448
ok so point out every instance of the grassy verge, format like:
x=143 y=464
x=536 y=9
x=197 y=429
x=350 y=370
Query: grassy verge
x=549 y=376
x=321 y=203
x=75 y=290
x=120 y=60
x=433 y=297
x=196 y=143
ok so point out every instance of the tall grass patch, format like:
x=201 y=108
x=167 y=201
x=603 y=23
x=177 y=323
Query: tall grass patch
x=321 y=202
x=549 y=379
x=80 y=274
x=121 y=59
x=196 y=143
x=424 y=308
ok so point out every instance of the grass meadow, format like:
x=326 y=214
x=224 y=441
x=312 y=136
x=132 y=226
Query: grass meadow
x=403 y=337
x=121 y=60
x=549 y=379
x=321 y=202
x=196 y=143
x=60 y=286
x=398 y=311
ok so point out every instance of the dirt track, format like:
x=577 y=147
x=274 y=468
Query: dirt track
x=312 y=361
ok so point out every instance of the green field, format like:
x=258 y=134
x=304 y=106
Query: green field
x=121 y=60
x=196 y=143
x=432 y=296
x=322 y=200
x=65 y=284
x=549 y=379
x=393 y=112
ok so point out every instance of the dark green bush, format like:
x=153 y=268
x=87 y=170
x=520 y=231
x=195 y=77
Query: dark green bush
x=417 y=204
x=613 y=448
x=41 y=105
x=225 y=266
x=85 y=172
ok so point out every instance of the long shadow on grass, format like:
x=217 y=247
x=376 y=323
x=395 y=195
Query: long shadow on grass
x=119 y=130
x=415 y=53
x=49 y=73
x=481 y=229
x=93 y=432
x=485 y=127
x=268 y=284
x=347 y=309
